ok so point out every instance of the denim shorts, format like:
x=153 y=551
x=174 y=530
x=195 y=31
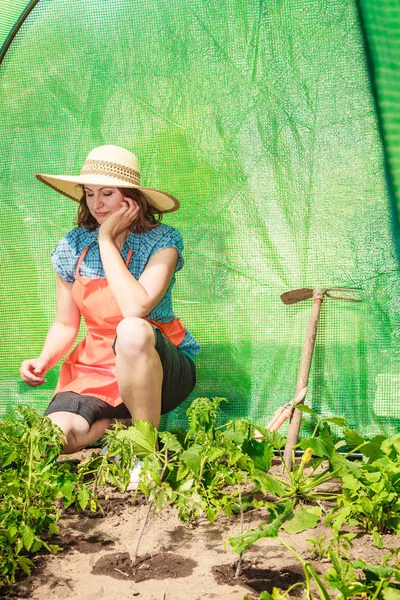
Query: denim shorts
x=179 y=379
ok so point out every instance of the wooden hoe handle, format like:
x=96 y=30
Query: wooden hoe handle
x=304 y=371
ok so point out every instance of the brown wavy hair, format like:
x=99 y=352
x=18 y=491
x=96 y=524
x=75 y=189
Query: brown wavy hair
x=147 y=218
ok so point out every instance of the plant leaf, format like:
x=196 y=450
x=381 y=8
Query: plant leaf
x=237 y=437
x=261 y=453
x=242 y=541
x=83 y=498
x=391 y=446
x=12 y=531
x=170 y=441
x=264 y=596
x=372 y=449
x=269 y=484
x=316 y=444
x=391 y=593
x=161 y=500
x=351 y=483
x=302 y=519
x=54 y=529
x=67 y=491
x=353 y=438
x=340 y=421
x=27 y=537
x=186 y=486
x=378 y=570
x=276 y=594
x=192 y=458
x=25 y=563
x=182 y=472
x=143 y=435
x=377 y=540
x=306 y=409
x=276 y=440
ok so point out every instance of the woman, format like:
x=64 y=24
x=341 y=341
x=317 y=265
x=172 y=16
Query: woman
x=117 y=270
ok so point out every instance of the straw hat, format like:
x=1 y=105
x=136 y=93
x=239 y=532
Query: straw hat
x=109 y=166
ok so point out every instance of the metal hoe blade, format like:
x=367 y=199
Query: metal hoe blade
x=301 y=294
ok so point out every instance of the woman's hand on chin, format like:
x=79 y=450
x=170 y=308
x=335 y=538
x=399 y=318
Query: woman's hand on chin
x=119 y=221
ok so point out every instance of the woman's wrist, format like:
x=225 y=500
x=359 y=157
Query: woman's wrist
x=46 y=362
x=105 y=237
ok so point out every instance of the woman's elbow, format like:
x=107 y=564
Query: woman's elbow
x=72 y=324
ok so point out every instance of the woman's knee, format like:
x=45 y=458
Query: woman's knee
x=134 y=335
x=77 y=431
x=72 y=425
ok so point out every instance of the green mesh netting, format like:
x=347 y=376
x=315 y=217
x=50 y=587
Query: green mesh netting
x=260 y=117
x=10 y=10
x=381 y=23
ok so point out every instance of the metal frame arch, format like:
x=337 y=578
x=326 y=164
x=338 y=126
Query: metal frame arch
x=17 y=26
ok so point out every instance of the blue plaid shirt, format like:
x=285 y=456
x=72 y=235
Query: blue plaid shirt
x=66 y=254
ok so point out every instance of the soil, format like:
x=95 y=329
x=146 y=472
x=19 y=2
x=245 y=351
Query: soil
x=174 y=562
x=158 y=566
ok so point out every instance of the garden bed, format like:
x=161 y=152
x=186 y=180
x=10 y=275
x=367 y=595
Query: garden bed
x=175 y=562
x=217 y=514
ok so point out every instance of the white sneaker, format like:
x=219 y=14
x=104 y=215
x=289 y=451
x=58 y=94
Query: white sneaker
x=115 y=459
x=135 y=475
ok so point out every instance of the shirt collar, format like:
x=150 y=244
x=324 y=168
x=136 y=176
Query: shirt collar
x=130 y=242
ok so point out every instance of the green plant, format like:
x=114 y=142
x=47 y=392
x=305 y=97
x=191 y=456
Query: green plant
x=371 y=491
x=392 y=556
x=375 y=583
x=303 y=480
x=32 y=483
x=241 y=542
x=277 y=514
x=380 y=578
x=319 y=548
x=205 y=469
x=276 y=594
x=111 y=467
x=338 y=543
x=342 y=577
x=211 y=469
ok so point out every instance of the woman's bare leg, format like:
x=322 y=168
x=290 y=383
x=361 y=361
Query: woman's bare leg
x=139 y=369
x=78 y=434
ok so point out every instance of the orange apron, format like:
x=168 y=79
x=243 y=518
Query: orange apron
x=90 y=368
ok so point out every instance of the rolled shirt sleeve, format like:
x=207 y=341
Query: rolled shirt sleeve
x=65 y=258
x=171 y=238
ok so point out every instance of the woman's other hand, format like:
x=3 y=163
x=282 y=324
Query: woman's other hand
x=33 y=370
x=120 y=220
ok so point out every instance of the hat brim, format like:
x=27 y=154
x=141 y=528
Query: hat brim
x=71 y=187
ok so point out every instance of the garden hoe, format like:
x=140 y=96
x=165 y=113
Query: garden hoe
x=285 y=412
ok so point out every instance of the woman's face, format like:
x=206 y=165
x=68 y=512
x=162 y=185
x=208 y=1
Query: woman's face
x=102 y=201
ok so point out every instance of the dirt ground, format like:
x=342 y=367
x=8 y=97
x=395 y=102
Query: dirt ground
x=174 y=562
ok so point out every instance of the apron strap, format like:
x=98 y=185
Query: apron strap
x=84 y=252
x=128 y=258
x=80 y=261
